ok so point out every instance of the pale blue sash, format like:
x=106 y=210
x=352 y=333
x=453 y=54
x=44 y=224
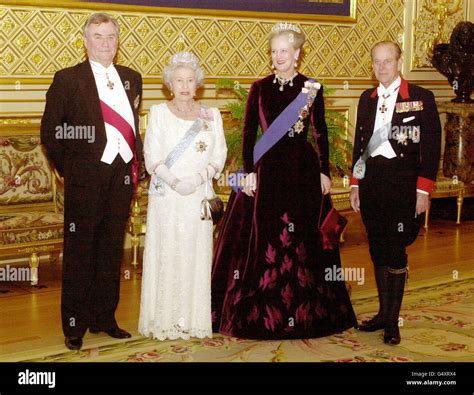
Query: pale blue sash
x=157 y=185
x=379 y=137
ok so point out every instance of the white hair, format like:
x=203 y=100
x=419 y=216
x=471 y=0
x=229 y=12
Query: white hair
x=183 y=59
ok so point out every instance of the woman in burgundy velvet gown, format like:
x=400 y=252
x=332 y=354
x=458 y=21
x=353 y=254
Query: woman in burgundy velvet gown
x=268 y=278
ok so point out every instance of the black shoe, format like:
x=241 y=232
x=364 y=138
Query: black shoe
x=392 y=335
x=115 y=332
x=73 y=342
x=372 y=325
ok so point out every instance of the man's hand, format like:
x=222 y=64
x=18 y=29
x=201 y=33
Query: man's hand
x=354 y=199
x=422 y=203
x=325 y=184
x=250 y=184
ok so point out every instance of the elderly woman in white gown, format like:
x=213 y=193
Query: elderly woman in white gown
x=185 y=149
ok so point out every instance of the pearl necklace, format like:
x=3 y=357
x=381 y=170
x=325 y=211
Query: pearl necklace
x=183 y=111
x=284 y=81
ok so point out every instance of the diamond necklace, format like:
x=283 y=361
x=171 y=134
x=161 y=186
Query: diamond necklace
x=284 y=81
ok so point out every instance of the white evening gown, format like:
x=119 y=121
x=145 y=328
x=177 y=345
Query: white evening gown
x=176 y=283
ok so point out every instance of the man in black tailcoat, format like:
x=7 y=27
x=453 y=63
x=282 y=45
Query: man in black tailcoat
x=90 y=132
x=395 y=162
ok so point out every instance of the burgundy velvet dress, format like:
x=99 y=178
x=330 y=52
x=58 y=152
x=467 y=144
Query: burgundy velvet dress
x=268 y=279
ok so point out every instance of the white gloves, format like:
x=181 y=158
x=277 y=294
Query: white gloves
x=185 y=188
x=208 y=172
x=195 y=179
x=165 y=174
x=250 y=184
x=188 y=184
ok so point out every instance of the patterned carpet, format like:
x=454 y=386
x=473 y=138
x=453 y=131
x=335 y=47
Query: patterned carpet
x=438 y=323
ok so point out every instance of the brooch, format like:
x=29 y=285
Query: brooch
x=303 y=113
x=201 y=146
x=402 y=138
x=299 y=126
x=311 y=89
x=206 y=114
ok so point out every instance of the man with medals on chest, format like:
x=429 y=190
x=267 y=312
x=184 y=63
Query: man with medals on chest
x=395 y=162
x=90 y=132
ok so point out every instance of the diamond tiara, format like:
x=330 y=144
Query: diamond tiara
x=285 y=26
x=185 y=57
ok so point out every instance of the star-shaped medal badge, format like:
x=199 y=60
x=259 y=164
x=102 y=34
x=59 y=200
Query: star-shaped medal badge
x=299 y=126
x=201 y=146
x=402 y=138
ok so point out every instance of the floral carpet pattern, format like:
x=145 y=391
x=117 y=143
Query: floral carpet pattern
x=437 y=325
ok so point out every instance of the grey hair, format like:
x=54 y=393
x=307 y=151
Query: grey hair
x=183 y=59
x=394 y=45
x=97 y=19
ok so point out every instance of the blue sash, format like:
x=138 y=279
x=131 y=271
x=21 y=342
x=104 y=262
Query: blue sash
x=275 y=132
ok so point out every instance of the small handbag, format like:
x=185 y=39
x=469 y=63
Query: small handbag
x=211 y=208
x=331 y=227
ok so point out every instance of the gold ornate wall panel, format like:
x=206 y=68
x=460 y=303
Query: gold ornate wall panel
x=39 y=38
x=434 y=22
x=37 y=41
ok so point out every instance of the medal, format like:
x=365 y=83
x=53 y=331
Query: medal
x=298 y=127
x=402 y=138
x=409 y=106
x=110 y=84
x=359 y=169
x=201 y=146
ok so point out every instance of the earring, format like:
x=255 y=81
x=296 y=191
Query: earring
x=296 y=63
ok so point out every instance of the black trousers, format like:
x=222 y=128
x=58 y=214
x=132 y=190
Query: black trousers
x=388 y=205
x=97 y=203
